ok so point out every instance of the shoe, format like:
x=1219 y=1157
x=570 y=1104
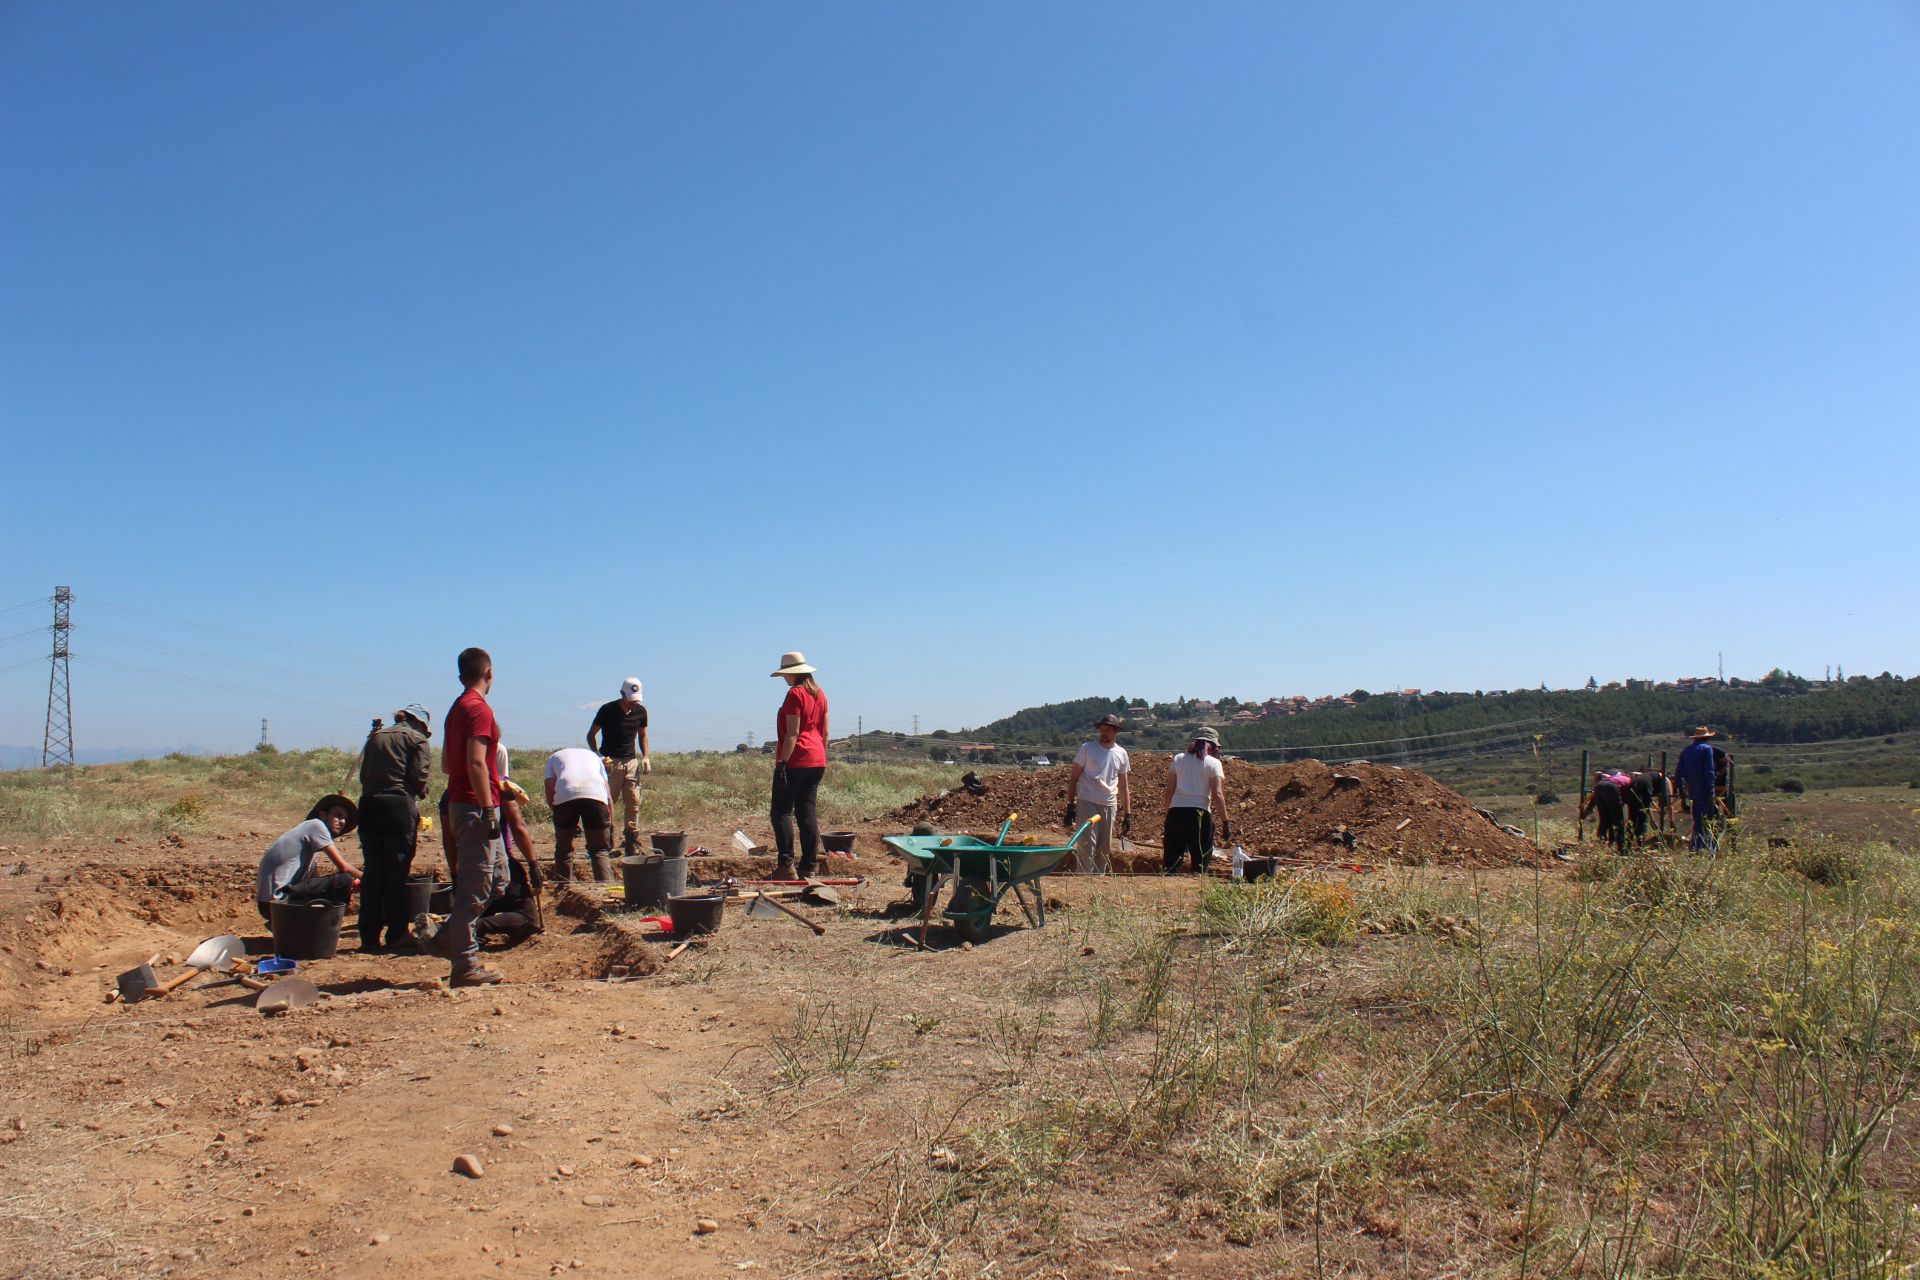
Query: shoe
x=783 y=870
x=478 y=976
x=808 y=870
x=426 y=937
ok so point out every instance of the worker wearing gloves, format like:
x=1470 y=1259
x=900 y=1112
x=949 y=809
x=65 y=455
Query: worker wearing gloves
x=472 y=736
x=1196 y=786
x=619 y=734
x=394 y=768
x=1098 y=787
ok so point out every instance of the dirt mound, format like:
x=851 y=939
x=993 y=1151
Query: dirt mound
x=1357 y=812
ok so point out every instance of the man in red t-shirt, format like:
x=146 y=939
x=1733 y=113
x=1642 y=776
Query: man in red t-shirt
x=473 y=793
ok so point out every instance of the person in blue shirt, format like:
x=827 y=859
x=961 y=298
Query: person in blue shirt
x=1695 y=771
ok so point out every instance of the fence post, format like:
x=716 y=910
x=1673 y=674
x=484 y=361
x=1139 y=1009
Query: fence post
x=1579 y=816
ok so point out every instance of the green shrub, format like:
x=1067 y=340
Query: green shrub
x=1547 y=797
x=1792 y=785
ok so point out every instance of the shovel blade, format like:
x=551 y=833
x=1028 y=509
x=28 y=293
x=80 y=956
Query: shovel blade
x=135 y=983
x=762 y=908
x=217 y=953
x=288 y=993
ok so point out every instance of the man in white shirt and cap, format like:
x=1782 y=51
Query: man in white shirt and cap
x=1099 y=786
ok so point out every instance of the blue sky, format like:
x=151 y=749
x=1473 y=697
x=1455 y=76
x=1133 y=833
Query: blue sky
x=989 y=353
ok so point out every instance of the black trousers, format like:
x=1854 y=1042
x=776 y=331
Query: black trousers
x=335 y=887
x=389 y=832
x=794 y=804
x=1612 y=810
x=1188 y=831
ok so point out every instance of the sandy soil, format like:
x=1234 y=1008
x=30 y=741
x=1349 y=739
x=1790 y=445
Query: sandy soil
x=193 y=1136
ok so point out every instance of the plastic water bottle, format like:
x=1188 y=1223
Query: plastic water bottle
x=1239 y=863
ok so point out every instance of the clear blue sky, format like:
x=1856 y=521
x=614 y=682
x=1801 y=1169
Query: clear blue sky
x=989 y=353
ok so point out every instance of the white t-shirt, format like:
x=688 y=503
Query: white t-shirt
x=578 y=774
x=1193 y=780
x=1100 y=783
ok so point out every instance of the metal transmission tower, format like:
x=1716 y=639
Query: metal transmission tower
x=57 y=746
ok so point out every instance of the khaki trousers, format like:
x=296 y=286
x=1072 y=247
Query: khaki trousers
x=624 y=777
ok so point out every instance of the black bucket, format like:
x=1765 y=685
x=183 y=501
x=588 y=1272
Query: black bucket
x=837 y=841
x=306 y=930
x=441 y=901
x=670 y=844
x=650 y=882
x=696 y=912
x=419 y=895
x=1259 y=868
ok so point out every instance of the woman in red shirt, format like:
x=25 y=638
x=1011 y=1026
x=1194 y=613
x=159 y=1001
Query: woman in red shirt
x=799 y=762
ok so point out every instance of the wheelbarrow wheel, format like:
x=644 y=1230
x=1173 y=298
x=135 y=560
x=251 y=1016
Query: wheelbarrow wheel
x=972 y=896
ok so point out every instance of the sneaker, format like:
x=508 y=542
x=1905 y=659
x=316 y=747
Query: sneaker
x=478 y=976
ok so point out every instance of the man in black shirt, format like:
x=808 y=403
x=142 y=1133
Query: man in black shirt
x=619 y=734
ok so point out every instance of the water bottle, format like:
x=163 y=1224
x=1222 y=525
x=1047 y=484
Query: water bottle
x=1239 y=863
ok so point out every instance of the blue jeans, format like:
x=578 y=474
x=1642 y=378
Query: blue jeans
x=1704 y=811
x=480 y=875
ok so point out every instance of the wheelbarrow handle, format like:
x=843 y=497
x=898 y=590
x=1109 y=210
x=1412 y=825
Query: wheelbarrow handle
x=1084 y=828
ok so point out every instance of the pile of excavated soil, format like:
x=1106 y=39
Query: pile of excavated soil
x=1356 y=812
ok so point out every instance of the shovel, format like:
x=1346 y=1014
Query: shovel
x=214 y=953
x=763 y=907
x=288 y=993
x=138 y=981
x=820 y=895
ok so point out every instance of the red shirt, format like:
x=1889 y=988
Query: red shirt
x=810 y=749
x=470 y=717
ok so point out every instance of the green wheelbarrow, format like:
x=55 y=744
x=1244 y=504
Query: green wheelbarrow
x=983 y=871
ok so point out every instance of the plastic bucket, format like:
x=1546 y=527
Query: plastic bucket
x=670 y=844
x=1258 y=868
x=650 y=882
x=306 y=930
x=441 y=903
x=418 y=891
x=696 y=912
x=837 y=841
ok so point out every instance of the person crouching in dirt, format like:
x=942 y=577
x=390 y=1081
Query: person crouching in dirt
x=1196 y=785
x=513 y=913
x=1608 y=796
x=580 y=793
x=287 y=868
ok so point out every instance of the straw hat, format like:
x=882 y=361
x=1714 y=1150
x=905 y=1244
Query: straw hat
x=793 y=664
x=1702 y=734
x=1207 y=733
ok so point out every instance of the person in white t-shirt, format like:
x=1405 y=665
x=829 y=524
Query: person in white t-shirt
x=1098 y=785
x=580 y=793
x=1196 y=786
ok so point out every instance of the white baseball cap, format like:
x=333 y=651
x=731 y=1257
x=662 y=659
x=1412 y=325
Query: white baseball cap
x=630 y=688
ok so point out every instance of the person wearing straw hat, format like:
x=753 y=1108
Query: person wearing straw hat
x=395 y=766
x=799 y=762
x=1694 y=770
x=1098 y=784
x=1196 y=786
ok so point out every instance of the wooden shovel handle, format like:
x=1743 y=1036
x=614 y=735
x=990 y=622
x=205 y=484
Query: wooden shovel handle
x=172 y=984
x=817 y=928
